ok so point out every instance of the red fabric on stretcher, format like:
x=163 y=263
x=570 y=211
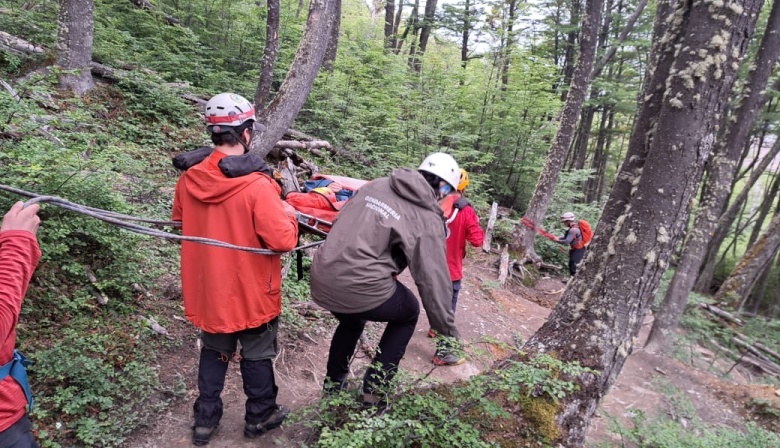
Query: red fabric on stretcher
x=319 y=205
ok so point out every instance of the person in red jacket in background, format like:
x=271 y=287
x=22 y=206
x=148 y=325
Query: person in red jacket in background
x=463 y=225
x=233 y=295
x=19 y=254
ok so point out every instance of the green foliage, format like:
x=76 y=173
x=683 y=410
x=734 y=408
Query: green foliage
x=684 y=429
x=451 y=416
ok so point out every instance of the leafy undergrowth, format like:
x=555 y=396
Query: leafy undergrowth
x=514 y=406
x=681 y=427
x=94 y=374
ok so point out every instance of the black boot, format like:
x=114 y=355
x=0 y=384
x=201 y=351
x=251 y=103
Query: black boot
x=208 y=406
x=262 y=412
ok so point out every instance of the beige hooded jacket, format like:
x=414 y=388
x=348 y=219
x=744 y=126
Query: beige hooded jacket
x=391 y=223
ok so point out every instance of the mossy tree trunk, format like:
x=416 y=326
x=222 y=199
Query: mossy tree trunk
x=522 y=236
x=75 y=29
x=602 y=310
x=280 y=114
x=734 y=135
x=741 y=280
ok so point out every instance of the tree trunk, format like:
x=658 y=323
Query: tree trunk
x=722 y=170
x=580 y=152
x=522 y=236
x=506 y=49
x=571 y=42
x=75 y=28
x=280 y=114
x=741 y=280
x=764 y=209
x=397 y=24
x=602 y=311
x=464 y=40
x=389 y=13
x=425 y=31
x=263 y=92
x=333 y=40
x=706 y=274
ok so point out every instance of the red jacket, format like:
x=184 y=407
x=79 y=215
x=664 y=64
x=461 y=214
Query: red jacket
x=19 y=253
x=465 y=227
x=228 y=290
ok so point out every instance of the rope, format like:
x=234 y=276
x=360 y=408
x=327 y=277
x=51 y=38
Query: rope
x=120 y=220
x=530 y=224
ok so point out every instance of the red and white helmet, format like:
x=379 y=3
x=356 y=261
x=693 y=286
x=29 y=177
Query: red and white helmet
x=228 y=110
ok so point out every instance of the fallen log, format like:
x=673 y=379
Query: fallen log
x=766 y=363
x=722 y=314
x=18 y=46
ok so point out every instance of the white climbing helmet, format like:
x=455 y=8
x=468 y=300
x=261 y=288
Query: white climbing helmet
x=444 y=166
x=568 y=216
x=228 y=110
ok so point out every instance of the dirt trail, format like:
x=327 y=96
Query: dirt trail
x=484 y=313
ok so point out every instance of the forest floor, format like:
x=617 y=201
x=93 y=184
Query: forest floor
x=485 y=312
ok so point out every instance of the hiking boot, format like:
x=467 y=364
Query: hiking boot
x=449 y=359
x=431 y=333
x=202 y=434
x=252 y=430
x=373 y=402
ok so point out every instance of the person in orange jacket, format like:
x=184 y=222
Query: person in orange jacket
x=19 y=254
x=233 y=295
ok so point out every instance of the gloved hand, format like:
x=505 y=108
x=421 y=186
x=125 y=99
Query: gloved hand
x=289 y=210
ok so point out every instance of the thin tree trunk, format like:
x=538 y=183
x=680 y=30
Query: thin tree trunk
x=508 y=44
x=425 y=31
x=333 y=40
x=280 y=114
x=389 y=13
x=571 y=42
x=464 y=40
x=522 y=236
x=599 y=66
x=75 y=29
x=744 y=276
x=707 y=272
x=722 y=169
x=397 y=24
x=764 y=209
x=603 y=309
x=263 y=92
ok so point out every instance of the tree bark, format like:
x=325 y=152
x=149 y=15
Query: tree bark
x=603 y=309
x=75 y=29
x=280 y=114
x=272 y=24
x=397 y=23
x=464 y=40
x=389 y=14
x=733 y=137
x=599 y=66
x=333 y=40
x=506 y=49
x=571 y=42
x=704 y=279
x=741 y=280
x=522 y=236
x=425 y=31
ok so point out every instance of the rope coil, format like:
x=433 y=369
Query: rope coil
x=120 y=220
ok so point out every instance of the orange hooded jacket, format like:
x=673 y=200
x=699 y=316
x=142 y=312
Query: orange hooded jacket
x=227 y=290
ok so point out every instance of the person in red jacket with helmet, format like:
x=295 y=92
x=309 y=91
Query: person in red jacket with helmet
x=233 y=295
x=19 y=254
x=463 y=225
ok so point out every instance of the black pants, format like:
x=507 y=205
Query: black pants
x=400 y=312
x=455 y=291
x=18 y=435
x=575 y=256
x=257 y=372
